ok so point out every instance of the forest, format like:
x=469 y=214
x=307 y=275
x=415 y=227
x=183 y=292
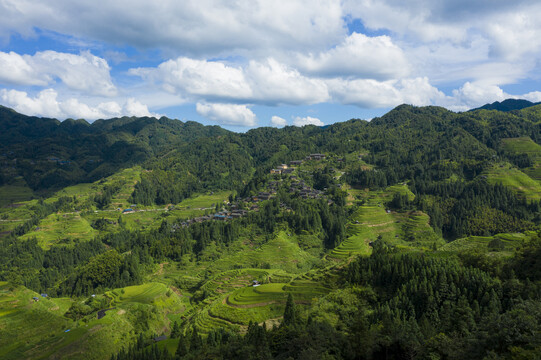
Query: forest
x=417 y=236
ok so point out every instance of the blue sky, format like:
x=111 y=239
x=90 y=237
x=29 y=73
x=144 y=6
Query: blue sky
x=255 y=63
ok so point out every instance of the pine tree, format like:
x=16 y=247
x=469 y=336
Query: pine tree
x=182 y=348
x=290 y=312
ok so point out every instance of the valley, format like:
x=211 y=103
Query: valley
x=414 y=231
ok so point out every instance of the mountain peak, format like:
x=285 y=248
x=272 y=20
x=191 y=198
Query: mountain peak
x=507 y=105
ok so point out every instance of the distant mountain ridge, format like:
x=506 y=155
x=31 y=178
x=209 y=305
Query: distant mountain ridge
x=507 y=105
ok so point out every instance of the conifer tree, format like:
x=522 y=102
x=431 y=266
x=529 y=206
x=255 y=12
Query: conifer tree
x=290 y=312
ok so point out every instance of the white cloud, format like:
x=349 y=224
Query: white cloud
x=473 y=94
x=15 y=69
x=276 y=83
x=419 y=92
x=206 y=27
x=135 y=108
x=268 y=82
x=302 y=121
x=227 y=114
x=534 y=96
x=198 y=78
x=382 y=94
x=46 y=103
x=278 y=121
x=364 y=93
x=85 y=72
x=359 y=56
x=293 y=52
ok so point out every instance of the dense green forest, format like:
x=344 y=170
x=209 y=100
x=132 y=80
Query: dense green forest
x=416 y=235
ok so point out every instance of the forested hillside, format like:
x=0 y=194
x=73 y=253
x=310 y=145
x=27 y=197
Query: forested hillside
x=416 y=235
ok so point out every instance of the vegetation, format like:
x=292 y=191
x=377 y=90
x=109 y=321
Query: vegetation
x=416 y=236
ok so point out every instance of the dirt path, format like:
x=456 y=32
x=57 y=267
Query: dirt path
x=160 y=270
x=376 y=225
x=175 y=290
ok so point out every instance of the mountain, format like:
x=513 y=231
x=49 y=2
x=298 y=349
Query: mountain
x=507 y=105
x=50 y=154
x=414 y=235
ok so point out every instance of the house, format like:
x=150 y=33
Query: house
x=35 y=298
x=44 y=295
x=128 y=211
x=264 y=196
x=295 y=162
x=221 y=217
x=288 y=171
x=255 y=283
x=160 y=338
x=316 y=157
x=282 y=167
x=276 y=171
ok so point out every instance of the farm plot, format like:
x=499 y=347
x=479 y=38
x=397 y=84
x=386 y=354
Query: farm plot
x=61 y=228
x=366 y=224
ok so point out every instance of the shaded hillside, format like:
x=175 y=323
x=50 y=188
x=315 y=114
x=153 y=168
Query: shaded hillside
x=507 y=105
x=50 y=154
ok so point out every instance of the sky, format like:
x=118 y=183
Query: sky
x=252 y=63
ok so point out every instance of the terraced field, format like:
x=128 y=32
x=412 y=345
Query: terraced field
x=481 y=243
x=510 y=176
x=380 y=197
x=416 y=232
x=24 y=321
x=13 y=194
x=148 y=293
x=366 y=224
x=528 y=146
x=280 y=252
x=237 y=308
x=233 y=279
x=61 y=228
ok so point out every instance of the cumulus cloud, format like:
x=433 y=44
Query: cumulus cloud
x=46 y=103
x=276 y=83
x=206 y=79
x=473 y=94
x=534 y=96
x=293 y=52
x=268 y=82
x=381 y=94
x=206 y=27
x=278 y=121
x=359 y=56
x=227 y=114
x=85 y=72
x=302 y=121
x=14 y=69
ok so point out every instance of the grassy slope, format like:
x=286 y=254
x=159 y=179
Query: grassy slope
x=14 y=194
x=528 y=146
x=480 y=244
x=510 y=176
x=61 y=228
x=36 y=330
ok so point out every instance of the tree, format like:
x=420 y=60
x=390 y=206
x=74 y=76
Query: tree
x=290 y=312
x=182 y=348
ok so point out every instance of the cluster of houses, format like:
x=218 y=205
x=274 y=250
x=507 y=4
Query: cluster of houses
x=220 y=216
x=35 y=298
x=304 y=191
x=284 y=169
x=58 y=160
